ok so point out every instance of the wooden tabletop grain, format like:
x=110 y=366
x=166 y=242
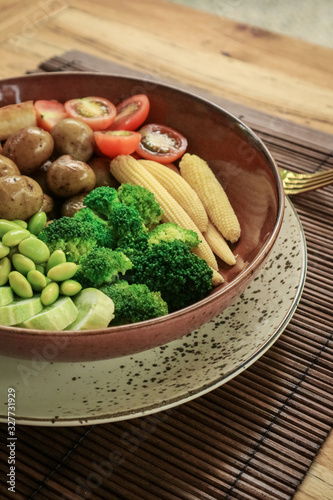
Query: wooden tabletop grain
x=276 y=74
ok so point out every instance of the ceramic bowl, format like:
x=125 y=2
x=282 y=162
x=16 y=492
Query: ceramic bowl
x=241 y=163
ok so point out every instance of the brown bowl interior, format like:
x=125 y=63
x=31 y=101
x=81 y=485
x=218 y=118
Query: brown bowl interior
x=240 y=161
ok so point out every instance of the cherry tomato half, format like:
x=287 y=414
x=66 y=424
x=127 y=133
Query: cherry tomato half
x=161 y=143
x=117 y=142
x=131 y=113
x=48 y=113
x=96 y=112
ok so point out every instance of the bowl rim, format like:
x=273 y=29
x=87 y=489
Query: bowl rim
x=260 y=257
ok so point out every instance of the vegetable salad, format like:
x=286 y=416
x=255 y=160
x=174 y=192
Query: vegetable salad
x=75 y=185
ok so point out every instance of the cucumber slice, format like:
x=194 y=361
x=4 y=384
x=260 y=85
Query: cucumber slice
x=55 y=317
x=6 y=295
x=95 y=310
x=20 y=310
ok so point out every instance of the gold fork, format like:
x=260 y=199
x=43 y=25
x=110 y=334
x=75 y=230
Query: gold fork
x=300 y=183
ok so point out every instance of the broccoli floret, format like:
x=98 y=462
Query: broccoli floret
x=130 y=232
x=143 y=200
x=182 y=277
x=72 y=236
x=170 y=231
x=134 y=303
x=102 y=265
x=102 y=231
x=102 y=200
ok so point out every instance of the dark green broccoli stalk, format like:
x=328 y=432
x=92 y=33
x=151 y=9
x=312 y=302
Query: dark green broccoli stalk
x=72 y=236
x=130 y=232
x=170 y=231
x=143 y=200
x=102 y=266
x=134 y=303
x=102 y=200
x=102 y=231
x=182 y=277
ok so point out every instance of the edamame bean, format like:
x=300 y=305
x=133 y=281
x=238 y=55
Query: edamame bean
x=15 y=236
x=22 y=223
x=5 y=268
x=37 y=222
x=22 y=263
x=35 y=249
x=4 y=250
x=56 y=257
x=12 y=252
x=37 y=280
x=20 y=285
x=62 y=272
x=70 y=288
x=40 y=268
x=7 y=225
x=49 y=294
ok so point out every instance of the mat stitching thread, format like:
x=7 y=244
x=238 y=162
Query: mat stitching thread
x=53 y=471
x=266 y=433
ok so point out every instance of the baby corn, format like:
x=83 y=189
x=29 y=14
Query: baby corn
x=180 y=190
x=217 y=278
x=219 y=245
x=202 y=179
x=127 y=169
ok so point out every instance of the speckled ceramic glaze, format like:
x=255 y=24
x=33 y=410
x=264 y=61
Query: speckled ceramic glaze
x=164 y=377
x=241 y=163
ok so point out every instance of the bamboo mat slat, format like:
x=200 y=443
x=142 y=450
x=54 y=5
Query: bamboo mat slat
x=255 y=437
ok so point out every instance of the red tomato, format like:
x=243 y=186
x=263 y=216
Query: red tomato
x=131 y=113
x=117 y=142
x=48 y=113
x=96 y=112
x=161 y=143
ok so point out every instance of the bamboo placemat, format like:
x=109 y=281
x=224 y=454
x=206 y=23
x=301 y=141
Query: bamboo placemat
x=253 y=438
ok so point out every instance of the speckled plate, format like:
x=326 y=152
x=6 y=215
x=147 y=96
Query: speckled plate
x=104 y=391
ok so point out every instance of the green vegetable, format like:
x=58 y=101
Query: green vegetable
x=95 y=310
x=22 y=263
x=56 y=257
x=102 y=231
x=22 y=223
x=20 y=285
x=63 y=271
x=72 y=236
x=70 y=287
x=19 y=310
x=35 y=249
x=55 y=317
x=5 y=268
x=37 y=222
x=4 y=250
x=50 y=294
x=15 y=236
x=170 y=231
x=134 y=303
x=182 y=277
x=102 y=200
x=143 y=201
x=7 y=225
x=6 y=295
x=37 y=280
x=102 y=265
x=130 y=232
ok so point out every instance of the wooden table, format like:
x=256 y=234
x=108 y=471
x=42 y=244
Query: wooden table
x=276 y=74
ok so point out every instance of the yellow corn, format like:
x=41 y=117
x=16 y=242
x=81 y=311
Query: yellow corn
x=219 y=245
x=202 y=179
x=127 y=169
x=217 y=278
x=180 y=190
